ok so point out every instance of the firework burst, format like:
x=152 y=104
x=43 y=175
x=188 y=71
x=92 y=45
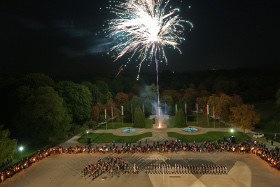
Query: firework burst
x=144 y=27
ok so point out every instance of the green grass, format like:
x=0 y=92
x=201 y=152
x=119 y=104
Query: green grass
x=213 y=136
x=109 y=137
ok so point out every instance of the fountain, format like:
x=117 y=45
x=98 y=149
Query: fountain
x=129 y=130
x=190 y=129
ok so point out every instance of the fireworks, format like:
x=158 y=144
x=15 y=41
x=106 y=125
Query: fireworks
x=143 y=28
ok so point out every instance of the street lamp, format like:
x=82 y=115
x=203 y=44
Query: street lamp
x=87 y=134
x=232 y=130
x=21 y=148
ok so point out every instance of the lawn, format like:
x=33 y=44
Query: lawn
x=213 y=136
x=109 y=137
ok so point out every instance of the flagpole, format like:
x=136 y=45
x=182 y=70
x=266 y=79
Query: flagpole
x=214 y=122
x=122 y=115
x=132 y=113
x=186 y=110
x=112 y=110
x=105 y=119
x=214 y=116
x=207 y=109
x=197 y=113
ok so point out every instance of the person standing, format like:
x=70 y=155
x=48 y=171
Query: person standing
x=2 y=177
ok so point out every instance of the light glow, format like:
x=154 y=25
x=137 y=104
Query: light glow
x=21 y=148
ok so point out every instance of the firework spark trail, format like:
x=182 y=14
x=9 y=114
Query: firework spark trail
x=143 y=27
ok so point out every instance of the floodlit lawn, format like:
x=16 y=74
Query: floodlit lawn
x=109 y=137
x=213 y=136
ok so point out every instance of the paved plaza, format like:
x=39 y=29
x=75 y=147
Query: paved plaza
x=65 y=170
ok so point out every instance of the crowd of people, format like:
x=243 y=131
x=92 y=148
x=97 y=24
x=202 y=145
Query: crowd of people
x=23 y=164
x=185 y=169
x=270 y=155
x=111 y=165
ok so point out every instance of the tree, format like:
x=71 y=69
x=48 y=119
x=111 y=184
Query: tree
x=116 y=86
x=223 y=107
x=222 y=104
x=236 y=100
x=181 y=105
x=105 y=95
x=95 y=93
x=139 y=118
x=42 y=115
x=121 y=99
x=111 y=104
x=213 y=102
x=149 y=97
x=37 y=80
x=169 y=104
x=202 y=102
x=95 y=112
x=180 y=119
x=278 y=97
x=173 y=94
x=191 y=95
x=77 y=100
x=134 y=103
x=244 y=116
x=8 y=146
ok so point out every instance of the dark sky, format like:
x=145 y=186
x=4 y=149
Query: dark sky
x=58 y=36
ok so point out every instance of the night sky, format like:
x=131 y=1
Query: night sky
x=59 y=37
